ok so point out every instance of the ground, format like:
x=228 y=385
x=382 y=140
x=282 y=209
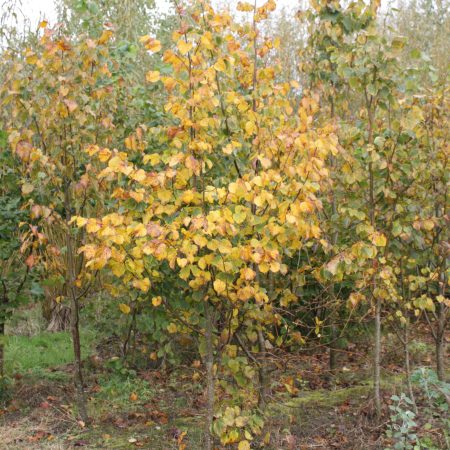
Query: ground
x=152 y=408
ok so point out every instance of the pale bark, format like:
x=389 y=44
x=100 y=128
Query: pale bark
x=210 y=379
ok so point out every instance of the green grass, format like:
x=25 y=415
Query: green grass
x=37 y=353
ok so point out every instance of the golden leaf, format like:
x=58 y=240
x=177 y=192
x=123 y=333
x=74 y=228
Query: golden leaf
x=142 y=284
x=156 y=301
x=244 y=445
x=184 y=46
x=152 y=76
x=219 y=286
x=124 y=308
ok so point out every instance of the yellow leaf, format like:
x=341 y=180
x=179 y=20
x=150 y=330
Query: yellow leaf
x=164 y=195
x=81 y=221
x=246 y=7
x=248 y=274
x=152 y=76
x=92 y=226
x=219 y=286
x=124 y=308
x=27 y=188
x=182 y=262
x=379 y=239
x=153 y=45
x=184 y=46
x=106 y=35
x=172 y=328
x=154 y=159
x=244 y=445
x=207 y=43
x=118 y=269
x=428 y=224
x=220 y=65
x=104 y=154
x=156 y=301
x=250 y=127
x=142 y=284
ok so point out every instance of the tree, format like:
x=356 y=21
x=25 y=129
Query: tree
x=57 y=99
x=230 y=199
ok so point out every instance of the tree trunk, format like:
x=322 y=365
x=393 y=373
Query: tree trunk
x=59 y=316
x=263 y=381
x=210 y=382
x=440 y=341
x=377 y=358
x=78 y=375
x=377 y=344
x=333 y=336
x=74 y=311
x=2 y=348
x=408 y=368
x=334 y=239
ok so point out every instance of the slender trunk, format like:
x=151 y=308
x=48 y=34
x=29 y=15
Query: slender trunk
x=127 y=341
x=74 y=313
x=263 y=381
x=2 y=347
x=370 y=105
x=377 y=343
x=333 y=336
x=377 y=357
x=4 y=303
x=408 y=368
x=210 y=381
x=441 y=319
x=78 y=375
x=333 y=316
x=440 y=341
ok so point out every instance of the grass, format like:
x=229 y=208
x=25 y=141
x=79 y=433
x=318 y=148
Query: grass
x=46 y=350
x=130 y=409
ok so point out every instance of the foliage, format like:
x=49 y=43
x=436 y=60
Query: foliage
x=404 y=428
x=217 y=191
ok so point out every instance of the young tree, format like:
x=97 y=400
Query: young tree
x=230 y=199
x=57 y=99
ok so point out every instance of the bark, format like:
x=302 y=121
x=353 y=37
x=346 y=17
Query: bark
x=59 y=317
x=4 y=302
x=370 y=106
x=2 y=348
x=441 y=319
x=74 y=312
x=377 y=357
x=263 y=381
x=333 y=336
x=333 y=316
x=78 y=375
x=408 y=368
x=210 y=381
x=131 y=330
x=440 y=341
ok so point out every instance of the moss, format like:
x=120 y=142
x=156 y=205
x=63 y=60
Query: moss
x=329 y=398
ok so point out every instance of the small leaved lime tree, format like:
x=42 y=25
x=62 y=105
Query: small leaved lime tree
x=384 y=161
x=58 y=98
x=226 y=204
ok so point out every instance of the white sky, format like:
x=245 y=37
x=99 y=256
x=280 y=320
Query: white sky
x=34 y=10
